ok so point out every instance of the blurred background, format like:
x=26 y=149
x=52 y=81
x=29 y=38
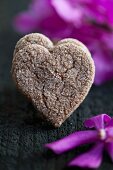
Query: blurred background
x=8 y=37
x=21 y=136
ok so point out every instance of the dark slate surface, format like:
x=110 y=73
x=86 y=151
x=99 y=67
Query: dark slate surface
x=21 y=135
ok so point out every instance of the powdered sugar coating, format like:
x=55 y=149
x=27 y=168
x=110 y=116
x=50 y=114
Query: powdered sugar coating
x=55 y=78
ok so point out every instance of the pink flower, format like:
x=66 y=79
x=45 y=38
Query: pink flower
x=102 y=136
x=87 y=20
x=78 y=11
x=30 y=20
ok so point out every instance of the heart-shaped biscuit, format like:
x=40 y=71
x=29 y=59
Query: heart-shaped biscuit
x=56 y=78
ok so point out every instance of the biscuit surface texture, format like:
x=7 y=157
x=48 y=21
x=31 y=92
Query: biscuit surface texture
x=56 y=78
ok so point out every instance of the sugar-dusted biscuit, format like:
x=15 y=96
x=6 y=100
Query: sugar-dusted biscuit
x=56 y=78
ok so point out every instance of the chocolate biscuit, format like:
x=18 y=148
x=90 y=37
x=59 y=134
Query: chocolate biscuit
x=56 y=78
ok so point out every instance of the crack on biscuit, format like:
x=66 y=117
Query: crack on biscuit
x=44 y=98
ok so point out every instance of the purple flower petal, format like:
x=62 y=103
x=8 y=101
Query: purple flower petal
x=110 y=123
x=104 y=65
x=30 y=19
x=68 y=10
x=72 y=141
x=57 y=28
x=109 y=149
x=109 y=131
x=25 y=22
x=97 y=121
x=91 y=159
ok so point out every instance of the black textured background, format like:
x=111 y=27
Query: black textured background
x=21 y=135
